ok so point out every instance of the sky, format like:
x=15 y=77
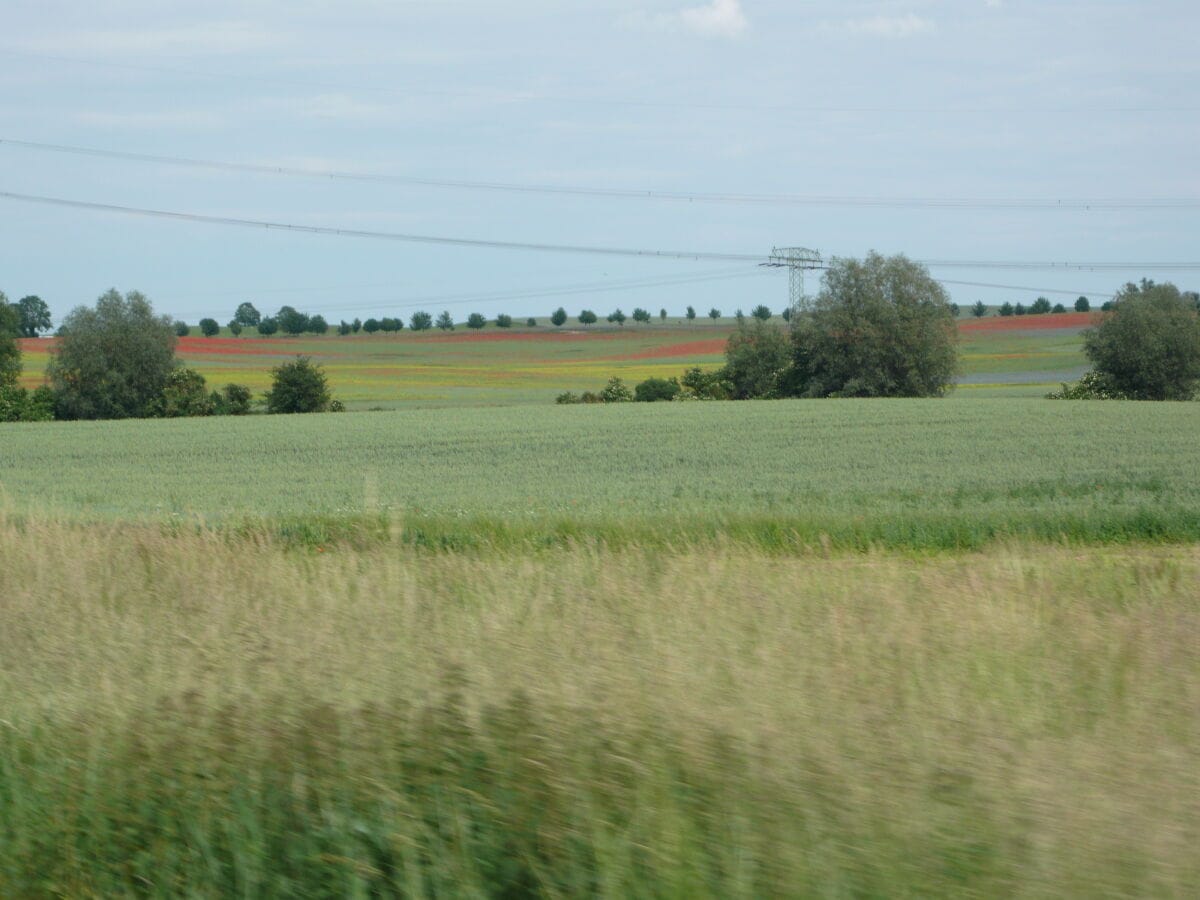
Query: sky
x=966 y=134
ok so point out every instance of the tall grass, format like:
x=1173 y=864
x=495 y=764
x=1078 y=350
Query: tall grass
x=192 y=714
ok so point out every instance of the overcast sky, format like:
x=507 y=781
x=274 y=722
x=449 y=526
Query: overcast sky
x=1000 y=100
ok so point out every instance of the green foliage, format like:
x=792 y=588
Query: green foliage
x=267 y=327
x=476 y=320
x=291 y=321
x=356 y=325
x=1083 y=305
x=235 y=327
x=979 y=310
x=1040 y=307
x=232 y=400
x=1058 y=308
x=558 y=317
x=786 y=315
x=1106 y=306
x=531 y=322
x=587 y=317
x=757 y=359
x=317 y=325
x=662 y=314
x=112 y=361
x=617 y=316
x=392 y=324
x=344 y=328
x=420 y=321
x=954 y=310
x=371 y=326
x=210 y=327
x=641 y=315
x=247 y=315
x=1020 y=310
x=653 y=390
x=34 y=314
x=337 y=406
x=761 y=312
x=1148 y=345
x=566 y=398
x=1092 y=386
x=706 y=385
x=616 y=392
x=881 y=327
x=298 y=386
x=504 y=321
x=20 y=405
x=10 y=350
x=445 y=321
x=185 y=394
x=1006 y=309
x=182 y=328
x=691 y=313
x=714 y=313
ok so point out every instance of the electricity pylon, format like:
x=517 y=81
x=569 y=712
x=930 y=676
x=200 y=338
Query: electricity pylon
x=797 y=260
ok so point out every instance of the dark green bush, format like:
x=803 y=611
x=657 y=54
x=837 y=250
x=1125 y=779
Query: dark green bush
x=298 y=387
x=185 y=394
x=476 y=320
x=654 y=390
x=558 y=317
x=210 y=327
x=420 y=321
x=567 y=398
x=268 y=326
x=504 y=321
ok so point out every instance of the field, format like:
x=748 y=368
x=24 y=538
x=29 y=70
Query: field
x=495 y=367
x=477 y=644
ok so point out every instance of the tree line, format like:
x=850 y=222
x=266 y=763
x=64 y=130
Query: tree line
x=117 y=360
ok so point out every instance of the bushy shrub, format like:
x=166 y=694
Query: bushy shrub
x=209 y=327
x=558 y=317
x=232 y=400
x=182 y=329
x=1092 y=386
x=503 y=321
x=1006 y=308
x=616 y=391
x=20 y=405
x=185 y=394
x=1083 y=305
x=566 y=398
x=372 y=325
x=392 y=324
x=979 y=310
x=337 y=406
x=268 y=326
x=706 y=385
x=344 y=328
x=1058 y=308
x=317 y=325
x=756 y=359
x=590 y=397
x=1039 y=307
x=587 y=317
x=235 y=327
x=654 y=390
x=531 y=322
x=476 y=320
x=298 y=387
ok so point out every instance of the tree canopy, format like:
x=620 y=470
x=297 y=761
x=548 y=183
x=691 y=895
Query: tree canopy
x=113 y=360
x=34 y=315
x=881 y=327
x=1147 y=346
x=10 y=351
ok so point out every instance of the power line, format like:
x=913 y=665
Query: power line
x=969 y=203
x=697 y=255
x=517 y=96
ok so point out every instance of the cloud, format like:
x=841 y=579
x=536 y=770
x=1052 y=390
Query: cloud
x=889 y=26
x=720 y=18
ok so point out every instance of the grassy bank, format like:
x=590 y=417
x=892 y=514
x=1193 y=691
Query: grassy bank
x=193 y=713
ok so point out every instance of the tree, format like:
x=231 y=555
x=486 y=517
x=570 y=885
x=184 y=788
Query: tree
x=445 y=321
x=504 y=321
x=34 y=315
x=372 y=325
x=356 y=325
x=1083 y=305
x=653 y=390
x=267 y=326
x=291 y=321
x=209 y=327
x=881 y=327
x=344 y=328
x=476 y=320
x=587 y=317
x=714 y=314
x=558 y=317
x=531 y=322
x=233 y=400
x=761 y=312
x=317 y=325
x=1040 y=306
x=641 y=315
x=420 y=321
x=706 y=385
x=1019 y=309
x=1148 y=346
x=662 y=314
x=786 y=315
x=979 y=310
x=247 y=315
x=1006 y=308
x=10 y=350
x=390 y=324
x=298 y=386
x=182 y=329
x=691 y=313
x=1058 y=308
x=235 y=327
x=617 y=316
x=112 y=361
x=184 y=394
x=757 y=359
x=615 y=391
